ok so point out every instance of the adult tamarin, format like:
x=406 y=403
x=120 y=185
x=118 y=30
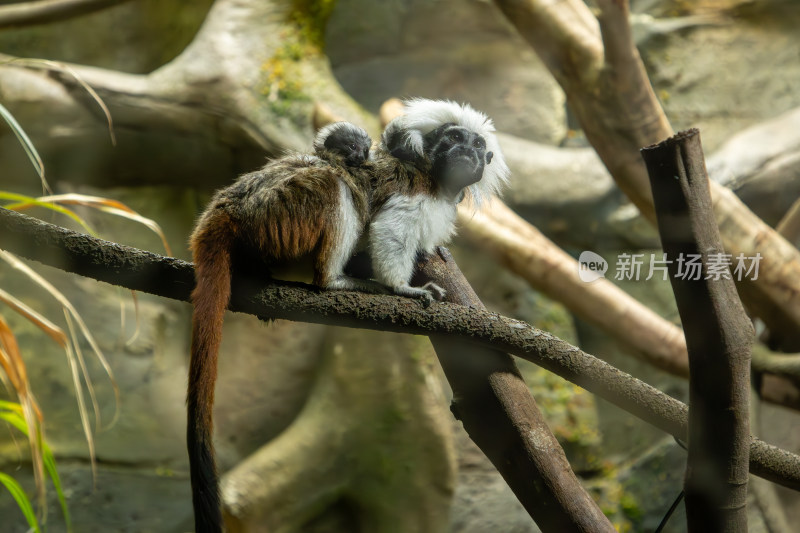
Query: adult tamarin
x=294 y=207
x=441 y=152
x=317 y=206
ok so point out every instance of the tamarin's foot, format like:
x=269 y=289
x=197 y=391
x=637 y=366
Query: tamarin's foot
x=427 y=293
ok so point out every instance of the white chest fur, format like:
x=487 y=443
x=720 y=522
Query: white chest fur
x=405 y=226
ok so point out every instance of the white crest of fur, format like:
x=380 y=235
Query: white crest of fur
x=423 y=116
x=327 y=131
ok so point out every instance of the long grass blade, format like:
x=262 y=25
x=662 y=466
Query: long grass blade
x=52 y=471
x=27 y=145
x=107 y=205
x=14 y=366
x=39 y=320
x=24 y=504
x=87 y=428
x=55 y=293
x=11 y=413
x=61 y=67
x=23 y=202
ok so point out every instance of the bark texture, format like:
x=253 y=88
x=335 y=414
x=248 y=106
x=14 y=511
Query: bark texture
x=718 y=336
x=502 y=418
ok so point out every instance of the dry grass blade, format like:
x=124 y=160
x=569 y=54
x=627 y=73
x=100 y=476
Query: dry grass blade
x=55 y=293
x=61 y=338
x=107 y=205
x=12 y=364
x=52 y=331
x=149 y=223
x=87 y=428
x=14 y=367
x=61 y=67
x=138 y=329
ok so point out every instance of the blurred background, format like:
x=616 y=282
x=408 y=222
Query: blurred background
x=358 y=422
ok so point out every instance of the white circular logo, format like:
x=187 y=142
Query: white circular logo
x=591 y=266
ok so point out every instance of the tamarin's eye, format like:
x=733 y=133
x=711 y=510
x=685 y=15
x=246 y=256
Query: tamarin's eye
x=479 y=143
x=455 y=135
x=352 y=146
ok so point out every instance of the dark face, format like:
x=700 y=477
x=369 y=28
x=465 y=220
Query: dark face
x=352 y=145
x=458 y=157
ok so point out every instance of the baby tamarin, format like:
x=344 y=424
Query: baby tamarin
x=294 y=207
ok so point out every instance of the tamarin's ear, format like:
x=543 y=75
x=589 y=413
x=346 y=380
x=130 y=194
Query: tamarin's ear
x=489 y=156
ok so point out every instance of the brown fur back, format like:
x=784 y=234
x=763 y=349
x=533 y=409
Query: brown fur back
x=394 y=176
x=283 y=209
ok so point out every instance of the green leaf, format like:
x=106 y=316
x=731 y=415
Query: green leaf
x=22 y=500
x=26 y=143
x=15 y=419
x=11 y=406
x=50 y=466
x=12 y=413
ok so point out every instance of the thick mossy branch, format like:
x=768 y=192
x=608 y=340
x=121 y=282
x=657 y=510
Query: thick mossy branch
x=173 y=278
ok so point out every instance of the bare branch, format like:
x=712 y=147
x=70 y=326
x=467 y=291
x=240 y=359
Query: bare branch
x=779 y=364
x=718 y=337
x=618 y=46
x=789 y=226
x=528 y=253
x=46 y=11
x=501 y=417
x=165 y=276
x=564 y=34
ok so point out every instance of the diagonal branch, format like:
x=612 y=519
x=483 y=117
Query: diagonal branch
x=45 y=11
x=501 y=416
x=173 y=278
x=619 y=113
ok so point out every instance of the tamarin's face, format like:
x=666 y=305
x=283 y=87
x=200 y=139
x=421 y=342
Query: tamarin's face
x=457 y=156
x=352 y=144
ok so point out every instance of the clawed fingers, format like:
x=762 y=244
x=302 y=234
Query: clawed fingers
x=435 y=290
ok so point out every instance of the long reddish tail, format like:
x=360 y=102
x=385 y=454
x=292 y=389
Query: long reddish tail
x=211 y=246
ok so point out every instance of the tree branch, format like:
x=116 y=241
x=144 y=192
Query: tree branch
x=789 y=225
x=207 y=102
x=786 y=365
x=502 y=418
x=718 y=337
x=521 y=248
x=620 y=113
x=524 y=250
x=765 y=493
x=45 y=11
x=173 y=278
